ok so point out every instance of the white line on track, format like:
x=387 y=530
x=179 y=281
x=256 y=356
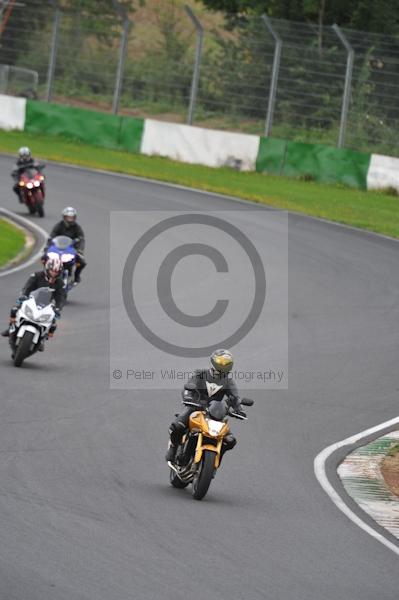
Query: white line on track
x=320 y=472
x=29 y=225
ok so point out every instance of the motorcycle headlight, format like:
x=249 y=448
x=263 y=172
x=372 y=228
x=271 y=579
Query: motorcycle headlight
x=29 y=312
x=36 y=183
x=29 y=185
x=44 y=318
x=214 y=427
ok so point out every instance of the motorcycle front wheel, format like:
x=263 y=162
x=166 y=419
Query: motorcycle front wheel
x=203 y=477
x=39 y=203
x=23 y=349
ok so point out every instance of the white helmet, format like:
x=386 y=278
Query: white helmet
x=24 y=153
x=69 y=214
x=53 y=266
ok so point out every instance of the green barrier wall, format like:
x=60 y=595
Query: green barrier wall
x=323 y=163
x=279 y=157
x=271 y=156
x=88 y=126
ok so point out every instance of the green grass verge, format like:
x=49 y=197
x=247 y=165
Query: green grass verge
x=374 y=211
x=12 y=241
x=394 y=450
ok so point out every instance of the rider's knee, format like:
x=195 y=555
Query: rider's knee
x=229 y=441
x=176 y=431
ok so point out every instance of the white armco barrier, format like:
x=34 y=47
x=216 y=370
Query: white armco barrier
x=12 y=112
x=200 y=146
x=383 y=172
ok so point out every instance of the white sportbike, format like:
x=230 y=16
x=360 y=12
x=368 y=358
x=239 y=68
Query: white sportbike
x=32 y=324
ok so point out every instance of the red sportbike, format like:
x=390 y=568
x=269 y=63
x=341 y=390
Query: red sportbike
x=32 y=190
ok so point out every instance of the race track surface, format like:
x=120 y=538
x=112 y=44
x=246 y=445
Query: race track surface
x=86 y=510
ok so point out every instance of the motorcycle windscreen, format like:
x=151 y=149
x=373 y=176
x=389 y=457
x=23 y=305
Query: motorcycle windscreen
x=42 y=296
x=218 y=410
x=62 y=242
x=30 y=173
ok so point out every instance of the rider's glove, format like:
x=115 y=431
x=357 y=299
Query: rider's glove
x=20 y=300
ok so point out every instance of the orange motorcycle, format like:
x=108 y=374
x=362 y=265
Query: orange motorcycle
x=199 y=454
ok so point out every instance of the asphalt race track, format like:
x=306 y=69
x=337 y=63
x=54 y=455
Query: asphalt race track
x=86 y=510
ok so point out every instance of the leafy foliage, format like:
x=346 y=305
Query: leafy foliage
x=365 y=15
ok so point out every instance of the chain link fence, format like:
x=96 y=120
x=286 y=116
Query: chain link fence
x=290 y=80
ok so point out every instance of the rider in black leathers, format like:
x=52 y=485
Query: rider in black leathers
x=68 y=226
x=25 y=161
x=210 y=384
x=50 y=278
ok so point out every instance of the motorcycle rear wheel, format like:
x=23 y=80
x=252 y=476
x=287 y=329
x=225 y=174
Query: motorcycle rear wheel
x=203 y=478
x=23 y=348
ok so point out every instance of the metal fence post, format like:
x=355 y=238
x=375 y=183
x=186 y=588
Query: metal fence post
x=275 y=71
x=4 y=76
x=348 y=83
x=121 y=63
x=53 y=52
x=197 y=64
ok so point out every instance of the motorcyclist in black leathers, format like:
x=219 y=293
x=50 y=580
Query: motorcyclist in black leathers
x=210 y=384
x=68 y=226
x=25 y=161
x=51 y=278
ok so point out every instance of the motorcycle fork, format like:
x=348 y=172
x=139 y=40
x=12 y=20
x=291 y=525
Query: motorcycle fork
x=201 y=447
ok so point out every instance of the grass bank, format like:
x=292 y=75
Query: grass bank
x=12 y=241
x=374 y=211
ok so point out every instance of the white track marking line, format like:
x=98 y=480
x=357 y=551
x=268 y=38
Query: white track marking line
x=321 y=475
x=29 y=225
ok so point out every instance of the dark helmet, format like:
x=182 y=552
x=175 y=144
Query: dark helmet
x=69 y=215
x=222 y=360
x=24 y=154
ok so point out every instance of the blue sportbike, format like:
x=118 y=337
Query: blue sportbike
x=64 y=247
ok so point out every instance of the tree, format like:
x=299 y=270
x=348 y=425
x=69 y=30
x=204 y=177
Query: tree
x=358 y=14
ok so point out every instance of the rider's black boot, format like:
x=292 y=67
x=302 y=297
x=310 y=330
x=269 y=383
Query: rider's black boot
x=171 y=453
